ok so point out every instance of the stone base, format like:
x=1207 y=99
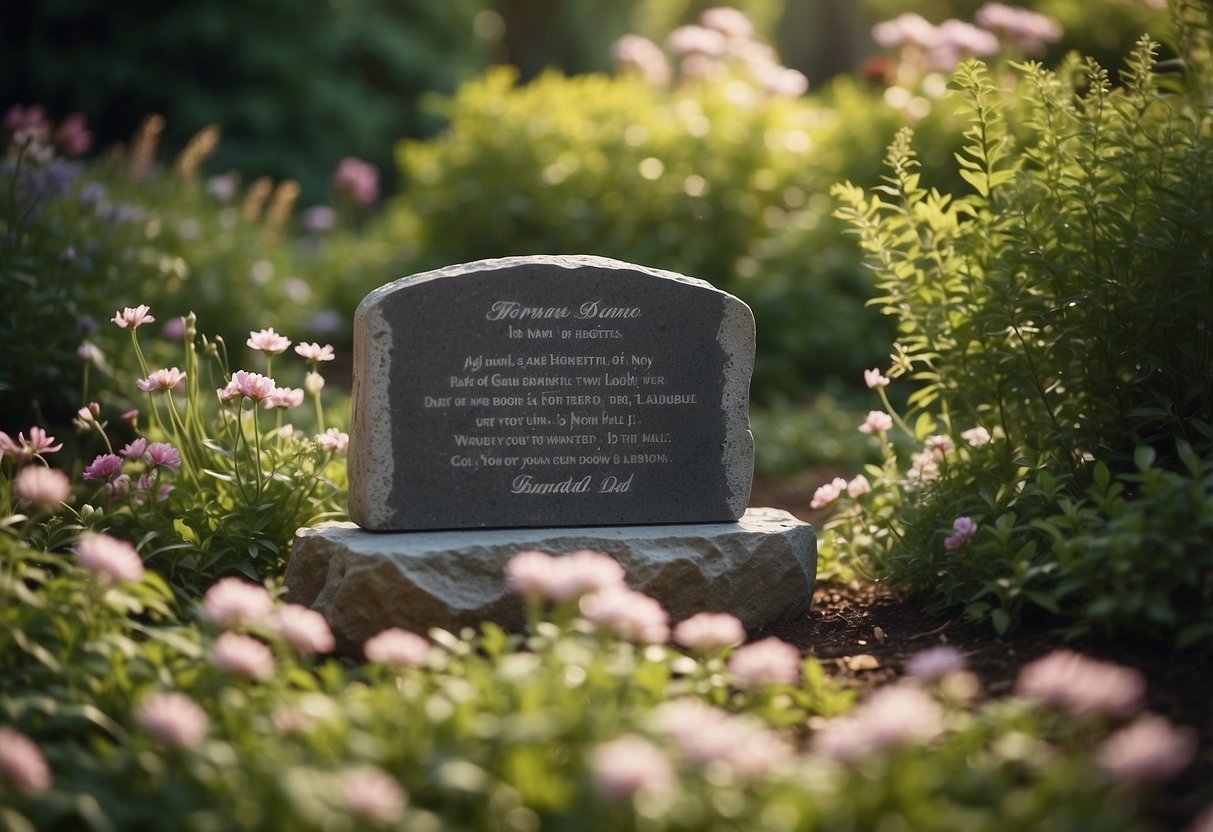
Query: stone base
x=761 y=569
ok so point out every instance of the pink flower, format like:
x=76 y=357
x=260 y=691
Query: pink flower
x=313 y=383
x=104 y=467
x=629 y=766
x=163 y=455
x=268 y=341
x=877 y=422
x=1081 y=685
x=24 y=450
x=118 y=487
x=73 y=136
x=174 y=329
x=634 y=53
x=924 y=469
x=563 y=578
x=706 y=632
x=233 y=603
x=976 y=437
x=728 y=21
x=173 y=718
x=1148 y=750
x=33 y=117
x=290 y=720
x=131 y=416
x=892 y=716
x=242 y=655
x=133 y=318
x=964 y=529
x=86 y=416
x=372 y=794
x=692 y=40
x=22 y=763
x=284 y=397
x=939 y=446
x=315 y=352
x=633 y=616
x=90 y=353
x=356 y=180
x=134 y=450
x=110 y=559
x=935 y=663
x=42 y=486
x=766 y=662
x=334 y=440
x=170 y=379
x=858 y=486
x=397 y=648
x=874 y=379
x=828 y=493
x=251 y=385
x=303 y=629
x=1026 y=30
x=530 y=573
x=905 y=30
x=705 y=735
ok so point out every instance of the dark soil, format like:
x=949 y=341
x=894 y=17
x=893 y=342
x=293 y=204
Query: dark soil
x=865 y=632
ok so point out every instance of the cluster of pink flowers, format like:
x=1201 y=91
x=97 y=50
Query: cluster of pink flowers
x=233 y=604
x=877 y=422
x=356 y=180
x=133 y=317
x=22 y=763
x=831 y=491
x=110 y=559
x=334 y=440
x=963 y=529
x=159 y=456
x=565 y=578
x=706 y=736
x=976 y=437
x=31 y=125
x=707 y=632
x=767 y=662
x=397 y=648
x=1148 y=750
x=631 y=766
x=892 y=716
x=173 y=718
x=632 y=616
x=1082 y=686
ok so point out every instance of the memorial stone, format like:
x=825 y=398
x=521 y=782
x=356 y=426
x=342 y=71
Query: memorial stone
x=549 y=391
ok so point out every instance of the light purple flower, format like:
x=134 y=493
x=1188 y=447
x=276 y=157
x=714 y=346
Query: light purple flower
x=163 y=455
x=22 y=763
x=372 y=794
x=706 y=632
x=397 y=648
x=173 y=718
x=90 y=353
x=110 y=559
x=1082 y=685
x=133 y=317
x=877 y=422
x=356 y=180
x=908 y=29
x=303 y=629
x=170 y=379
x=828 y=493
x=935 y=663
x=632 y=616
x=104 y=467
x=314 y=352
x=1148 y=750
x=42 y=486
x=767 y=662
x=705 y=735
x=630 y=766
x=242 y=655
x=963 y=530
x=174 y=329
x=268 y=341
x=1023 y=29
x=233 y=603
x=319 y=218
x=118 y=487
x=135 y=449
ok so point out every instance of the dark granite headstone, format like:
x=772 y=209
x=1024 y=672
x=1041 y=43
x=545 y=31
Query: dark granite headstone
x=549 y=391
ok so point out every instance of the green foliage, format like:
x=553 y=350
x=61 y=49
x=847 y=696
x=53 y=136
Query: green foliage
x=1063 y=307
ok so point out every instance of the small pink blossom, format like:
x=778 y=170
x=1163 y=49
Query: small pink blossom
x=397 y=648
x=892 y=716
x=706 y=632
x=767 y=662
x=73 y=136
x=632 y=616
x=963 y=530
x=630 y=766
x=33 y=118
x=372 y=794
x=233 y=603
x=1148 y=750
x=356 y=180
x=563 y=578
x=858 y=486
x=908 y=29
x=877 y=422
x=42 y=486
x=828 y=493
x=86 y=416
x=163 y=455
x=1025 y=30
x=939 y=446
x=242 y=655
x=314 y=352
x=303 y=629
x=728 y=21
x=110 y=559
x=131 y=416
x=268 y=341
x=634 y=53
x=696 y=40
x=924 y=469
x=90 y=353
x=135 y=449
x=705 y=735
x=118 y=487
x=529 y=573
x=22 y=763
x=935 y=663
x=24 y=450
x=290 y=720
x=251 y=385
x=284 y=397
x=1082 y=685
x=170 y=379
x=174 y=329
x=334 y=441
x=104 y=467
x=976 y=437
x=874 y=378
x=173 y=718
x=133 y=317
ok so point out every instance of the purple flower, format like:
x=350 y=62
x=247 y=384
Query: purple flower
x=319 y=218
x=134 y=450
x=935 y=663
x=163 y=455
x=1023 y=29
x=24 y=450
x=73 y=136
x=964 y=529
x=356 y=180
x=104 y=467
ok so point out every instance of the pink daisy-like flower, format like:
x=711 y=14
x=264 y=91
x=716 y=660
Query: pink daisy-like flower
x=706 y=632
x=976 y=437
x=163 y=455
x=939 y=445
x=170 y=379
x=1149 y=750
x=104 y=467
x=268 y=341
x=372 y=794
x=964 y=529
x=110 y=559
x=242 y=655
x=315 y=352
x=303 y=629
x=333 y=440
x=233 y=603
x=356 y=180
x=284 y=397
x=767 y=662
x=42 y=486
x=877 y=422
x=935 y=663
x=173 y=718
x=397 y=648
x=252 y=385
x=630 y=766
x=874 y=378
x=22 y=763
x=1082 y=685
x=24 y=450
x=135 y=450
x=858 y=486
x=133 y=317
x=630 y=615
x=828 y=493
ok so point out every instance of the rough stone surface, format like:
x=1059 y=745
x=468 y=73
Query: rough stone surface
x=761 y=568
x=549 y=391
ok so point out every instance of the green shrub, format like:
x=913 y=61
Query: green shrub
x=1062 y=307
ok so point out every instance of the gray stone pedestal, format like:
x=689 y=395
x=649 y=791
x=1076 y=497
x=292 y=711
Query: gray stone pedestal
x=761 y=569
